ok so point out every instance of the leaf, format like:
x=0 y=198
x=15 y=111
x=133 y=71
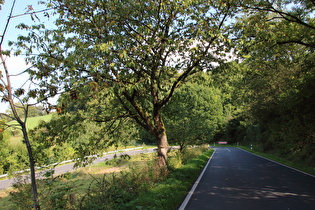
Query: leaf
x=32 y=93
x=30 y=8
x=19 y=92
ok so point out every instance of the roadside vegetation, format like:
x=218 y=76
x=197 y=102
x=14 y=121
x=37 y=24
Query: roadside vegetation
x=122 y=183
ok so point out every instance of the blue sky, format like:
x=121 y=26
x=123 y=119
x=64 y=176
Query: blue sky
x=17 y=64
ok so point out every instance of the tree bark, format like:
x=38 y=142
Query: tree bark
x=161 y=137
x=162 y=149
x=22 y=123
x=32 y=167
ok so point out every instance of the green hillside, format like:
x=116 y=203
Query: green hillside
x=32 y=122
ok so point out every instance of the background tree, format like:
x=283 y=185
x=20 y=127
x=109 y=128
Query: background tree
x=12 y=95
x=141 y=51
x=4 y=151
x=77 y=133
x=276 y=42
x=268 y=25
x=195 y=112
x=33 y=111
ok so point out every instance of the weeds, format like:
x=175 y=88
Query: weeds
x=140 y=186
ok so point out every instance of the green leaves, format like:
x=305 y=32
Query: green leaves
x=19 y=92
x=267 y=25
x=137 y=52
x=105 y=47
x=194 y=113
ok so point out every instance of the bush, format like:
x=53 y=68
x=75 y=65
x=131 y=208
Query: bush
x=113 y=191
x=21 y=196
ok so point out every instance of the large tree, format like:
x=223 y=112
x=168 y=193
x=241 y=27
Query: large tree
x=141 y=50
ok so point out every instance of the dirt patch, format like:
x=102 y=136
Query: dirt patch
x=110 y=170
x=4 y=193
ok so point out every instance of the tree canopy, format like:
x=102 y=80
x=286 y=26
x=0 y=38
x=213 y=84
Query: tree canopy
x=195 y=112
x=142 y=51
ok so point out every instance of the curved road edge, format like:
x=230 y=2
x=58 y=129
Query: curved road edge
x=190 y=193
x=303 y=172
x=7 y=183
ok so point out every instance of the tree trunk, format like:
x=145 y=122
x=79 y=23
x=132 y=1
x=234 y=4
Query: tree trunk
x=161 y=137
x=162 y=149
x=32 y=167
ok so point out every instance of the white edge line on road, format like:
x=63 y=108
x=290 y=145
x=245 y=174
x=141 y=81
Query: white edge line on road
x=280 y=164
x=182 y=207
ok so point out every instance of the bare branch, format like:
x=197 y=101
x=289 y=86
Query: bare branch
x=7 y=24
x=30 y=13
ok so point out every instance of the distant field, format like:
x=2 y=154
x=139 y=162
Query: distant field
x=34 y=121
x=31 y=123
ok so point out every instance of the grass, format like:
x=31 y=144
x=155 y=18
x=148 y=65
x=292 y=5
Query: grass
x=170 y=193
x=32 y=122
x=141 y=187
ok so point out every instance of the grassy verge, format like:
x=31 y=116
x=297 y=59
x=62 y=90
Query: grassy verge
x=297 y=165
x=170 y=193
x=117 y=184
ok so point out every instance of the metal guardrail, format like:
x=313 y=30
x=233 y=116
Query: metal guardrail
x=69 y=161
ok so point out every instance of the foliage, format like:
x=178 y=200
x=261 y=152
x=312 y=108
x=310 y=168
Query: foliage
x=269 y=27
x=72 y=136
x=142 y=51
x=22 y=196
x=13 y=152
x=277 y=49
x=33 y=111
x=4 y=151
x=194 y=113
x=11 y=94
x=113 y=191
x=169 y=193
x=12 y=157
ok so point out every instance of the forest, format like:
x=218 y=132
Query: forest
x=164 y=73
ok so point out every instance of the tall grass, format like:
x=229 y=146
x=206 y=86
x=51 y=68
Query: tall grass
x=136 y=184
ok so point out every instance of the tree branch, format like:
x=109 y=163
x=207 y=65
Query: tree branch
x=7 y=23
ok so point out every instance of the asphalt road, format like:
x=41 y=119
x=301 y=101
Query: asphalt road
x=69 y=167
x=237 y=180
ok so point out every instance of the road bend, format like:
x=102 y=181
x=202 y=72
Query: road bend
x=70 y=167
x=238 y=180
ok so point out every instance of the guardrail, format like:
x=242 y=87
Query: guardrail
x=69 y=161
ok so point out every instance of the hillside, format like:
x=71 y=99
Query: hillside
x=32 y=122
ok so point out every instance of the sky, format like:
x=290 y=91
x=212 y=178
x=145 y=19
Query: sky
x=17 y=64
